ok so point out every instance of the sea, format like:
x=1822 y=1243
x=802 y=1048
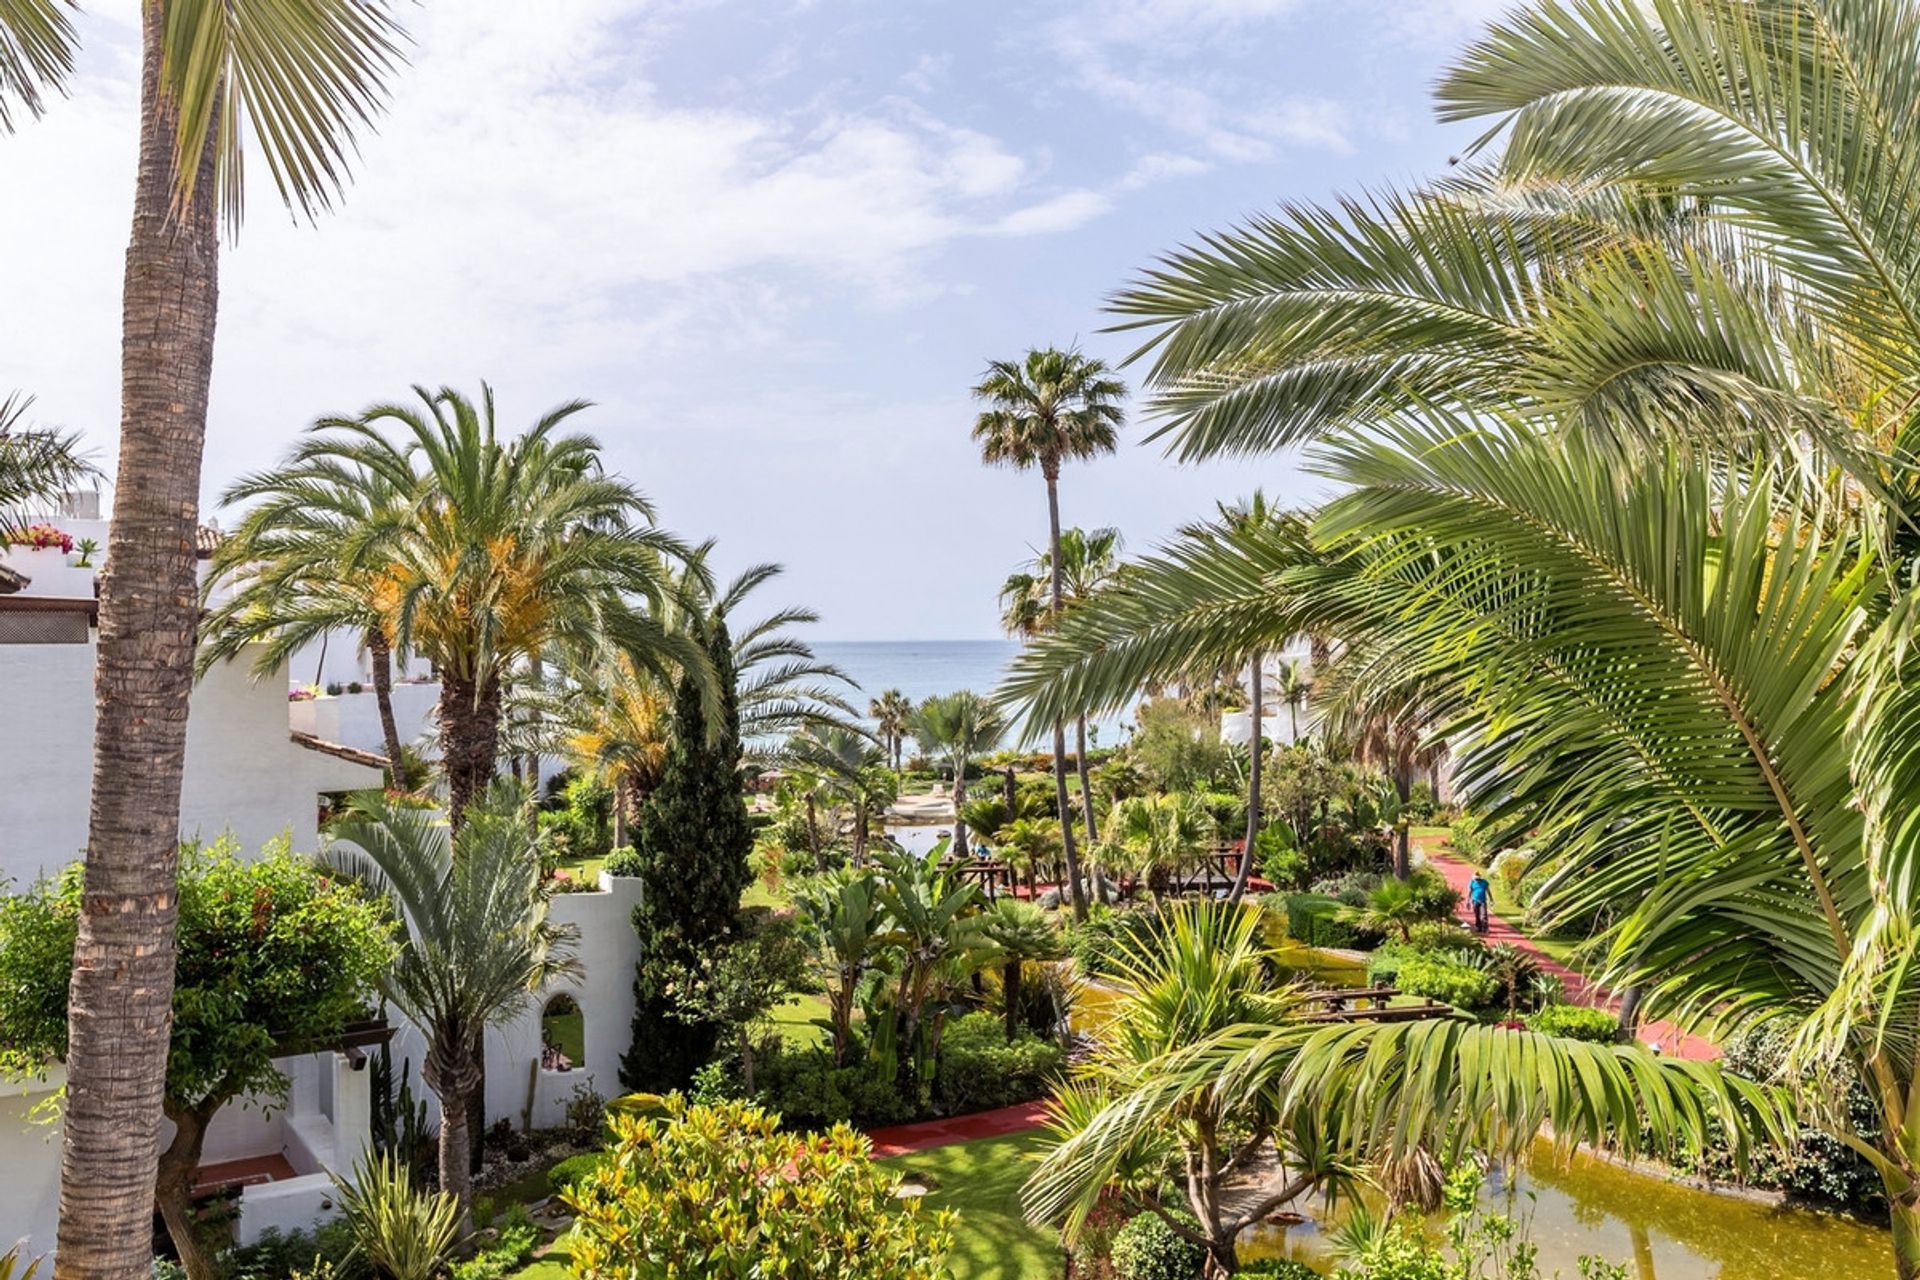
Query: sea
x=922 y=668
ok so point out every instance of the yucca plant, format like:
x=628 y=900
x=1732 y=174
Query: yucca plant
x=402 y=1231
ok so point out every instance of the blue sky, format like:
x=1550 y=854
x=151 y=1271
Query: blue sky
x=774 y=242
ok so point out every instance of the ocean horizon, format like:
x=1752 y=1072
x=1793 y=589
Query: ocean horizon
x=923 y=668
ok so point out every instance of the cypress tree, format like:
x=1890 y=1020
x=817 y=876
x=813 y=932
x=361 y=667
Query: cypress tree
x=694 y=842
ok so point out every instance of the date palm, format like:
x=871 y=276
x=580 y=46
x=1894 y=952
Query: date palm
x=848 y=765
x=1591 y=398
x=35 y=463
x=476 y=943
x=890 y=713
x=504 y=554
x=1022 y=934
x=958 y=726
x=306 y=560
x=296 y=79
x=1088 y=562
x=1048 y=409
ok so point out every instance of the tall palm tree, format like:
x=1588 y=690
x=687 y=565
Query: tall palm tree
x=304 y=561
x=35 y=463
x=1294 y=684
x=890 y=713
x=476 y=943
x=959 y=726
x=1053 y=407
x=507 y=552
x=1089 y=561
x=297 y=79
x=1614 y=372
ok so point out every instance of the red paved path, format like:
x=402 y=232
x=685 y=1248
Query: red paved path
x=1580 y=989
x=899 y=1139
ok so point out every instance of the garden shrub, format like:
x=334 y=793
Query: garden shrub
x=1576 y=1022
x=1311 y=920
x=1449 y=979
x=1352 y=888
x=568 y=1173
x=1443 y=935
x=513 y=1243
x=278 y=1254
x=809 y=1092
x=624 y=861
x=1435 y=898
x=1095 y=943
x=1383 y=966
x=1282 y=862
x=1277 y=1269
x=1147 y=1249
x=725 y=1190
x=979 y=1070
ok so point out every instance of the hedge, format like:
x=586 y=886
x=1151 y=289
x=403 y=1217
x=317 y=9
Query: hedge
x=1450 y=980
x=1575 y=1022
x=1310 y=920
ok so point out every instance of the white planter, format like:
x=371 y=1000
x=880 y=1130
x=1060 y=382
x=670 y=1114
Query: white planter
x=50 y=574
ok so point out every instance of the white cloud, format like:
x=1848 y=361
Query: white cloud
x=1063 y=212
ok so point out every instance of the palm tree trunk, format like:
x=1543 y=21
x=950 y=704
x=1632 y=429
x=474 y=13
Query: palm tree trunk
x=455 y=1078
x=380 y=657
x=959 y=798
x=1086 y=779
x=1009 y=995
x=1076 y=890
x=1241 y=872
x=121 y=996
x=622 y=799
x=1905 y=1212
x=469 y=742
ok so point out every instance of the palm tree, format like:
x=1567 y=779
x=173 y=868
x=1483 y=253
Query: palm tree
x=35 y=463
x=1022 y=933
x=959 y=726
x=476 y=944
x=616 y=721
x=1162 y=835
x=1615 y=372
x=1294 y=685
x=304 y=561
x=297 y=79
x=850 y=765
x=890 y=713
x=1053 y=407
x=1089 y=563
x=506 y=553
x=1033 y=840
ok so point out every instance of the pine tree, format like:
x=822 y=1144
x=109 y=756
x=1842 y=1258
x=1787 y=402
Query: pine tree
x=694 y=840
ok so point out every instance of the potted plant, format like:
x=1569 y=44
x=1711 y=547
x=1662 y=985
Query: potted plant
x=86 y=547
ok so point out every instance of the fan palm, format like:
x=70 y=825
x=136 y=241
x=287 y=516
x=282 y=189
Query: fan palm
x=1088 y=562
x=304 y=561
x=296 y=79
x=890 y=713
x=1053 y=407
x=1022 y=933
x=476 y=943
x=505 y=552
x=958 y=726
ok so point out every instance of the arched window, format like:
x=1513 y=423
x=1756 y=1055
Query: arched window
x=563 y=1034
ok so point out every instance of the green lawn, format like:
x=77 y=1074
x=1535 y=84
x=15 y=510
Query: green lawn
x=567 y=1032
x=794 y=1020
x=981 y=1182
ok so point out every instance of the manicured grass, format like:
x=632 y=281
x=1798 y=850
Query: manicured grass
x=794 y=1020
x=759 y=895
x=567 y=1032
x=981 y=1181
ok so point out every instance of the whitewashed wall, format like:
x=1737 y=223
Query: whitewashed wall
x=29 y=1166
x=243 y=774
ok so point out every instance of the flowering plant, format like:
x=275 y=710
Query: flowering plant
x=41 y=537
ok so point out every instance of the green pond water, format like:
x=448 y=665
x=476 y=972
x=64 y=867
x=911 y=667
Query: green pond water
x=1661 y=1230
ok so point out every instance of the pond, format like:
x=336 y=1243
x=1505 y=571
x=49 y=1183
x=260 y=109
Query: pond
x=1660 y=1230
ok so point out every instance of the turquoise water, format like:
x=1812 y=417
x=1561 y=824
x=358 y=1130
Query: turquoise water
x=922 y=668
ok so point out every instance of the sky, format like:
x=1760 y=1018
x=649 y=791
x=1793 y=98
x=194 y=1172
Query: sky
x=774 y=241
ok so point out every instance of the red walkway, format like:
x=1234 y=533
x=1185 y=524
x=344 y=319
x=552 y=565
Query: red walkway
x=899 y=1139
x=1580 y=989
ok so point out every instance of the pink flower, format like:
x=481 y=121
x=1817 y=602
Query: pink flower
x=44 y=537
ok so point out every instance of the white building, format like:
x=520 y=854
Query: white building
x=257 y=766
x=1280 y=721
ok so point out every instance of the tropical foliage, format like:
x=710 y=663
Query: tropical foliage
x=470 y=908
x=726 y=1185
x=275 y=958
x=1626 y=487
